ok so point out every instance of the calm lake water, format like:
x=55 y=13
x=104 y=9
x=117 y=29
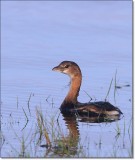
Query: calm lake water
x=38 y=35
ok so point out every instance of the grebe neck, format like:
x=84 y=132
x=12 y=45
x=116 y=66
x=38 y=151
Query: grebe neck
x=74 y=89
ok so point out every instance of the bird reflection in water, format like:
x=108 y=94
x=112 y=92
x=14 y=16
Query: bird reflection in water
x=71 y=121
x=69 y=145
x=66 y=145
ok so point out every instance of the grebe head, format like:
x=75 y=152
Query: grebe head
x=68 y=67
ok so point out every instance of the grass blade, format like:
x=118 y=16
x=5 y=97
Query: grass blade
x=109 y=89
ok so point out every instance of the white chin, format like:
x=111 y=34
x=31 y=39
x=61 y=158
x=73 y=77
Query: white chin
x=65 y=72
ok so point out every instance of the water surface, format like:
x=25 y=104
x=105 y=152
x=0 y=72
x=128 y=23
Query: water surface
x=36 y=36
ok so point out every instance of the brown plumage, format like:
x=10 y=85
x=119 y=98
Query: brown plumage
x=71 y=104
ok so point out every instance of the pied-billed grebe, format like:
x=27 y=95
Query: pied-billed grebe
x=70 y=103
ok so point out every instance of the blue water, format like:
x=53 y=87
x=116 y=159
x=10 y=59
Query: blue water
x=38 y=35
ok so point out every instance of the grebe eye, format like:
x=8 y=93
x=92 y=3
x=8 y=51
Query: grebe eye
x=66 y=66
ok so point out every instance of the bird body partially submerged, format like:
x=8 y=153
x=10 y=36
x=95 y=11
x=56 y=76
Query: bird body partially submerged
x=71 y=104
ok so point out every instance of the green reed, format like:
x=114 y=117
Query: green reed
x=56 y=141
